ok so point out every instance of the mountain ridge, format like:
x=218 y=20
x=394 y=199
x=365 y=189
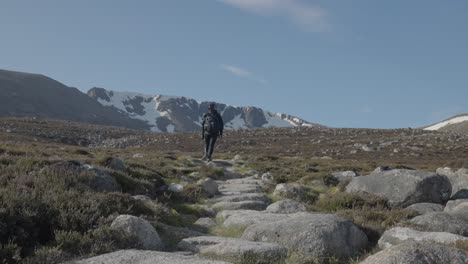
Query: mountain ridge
x=183 y=114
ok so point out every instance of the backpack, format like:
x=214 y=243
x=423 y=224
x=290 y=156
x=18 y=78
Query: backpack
x=211 y=124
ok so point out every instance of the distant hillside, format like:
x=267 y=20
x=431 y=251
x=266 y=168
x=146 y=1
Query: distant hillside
x=456 y=124
x=29 y=95
x=182 y=114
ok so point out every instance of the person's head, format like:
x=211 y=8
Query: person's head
x=212 y=106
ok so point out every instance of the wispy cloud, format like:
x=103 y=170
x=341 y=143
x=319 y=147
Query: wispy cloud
x=309 y=17
x=242 y=73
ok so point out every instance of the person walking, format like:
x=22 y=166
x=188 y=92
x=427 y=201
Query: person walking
x=212 y=127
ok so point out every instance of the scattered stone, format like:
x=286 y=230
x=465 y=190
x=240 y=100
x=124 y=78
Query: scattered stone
x=145 y=257
x=204 y=223
x=413 y=187
x=426 y=208
x=286 y=207
x=399 y=235
x=340 y=176
x=382 y=169
x=290 y=191
x=452 y=222
x=367 y=148
x=312 y=235
x=209 y=186
x=138 y=156
x=141 y=229
x=235 y=249
x=247 y=205
x=268 y=178
x=176 y=188
x=101 y=180
x=419 y=253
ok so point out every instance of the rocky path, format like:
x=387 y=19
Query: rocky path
x=256 y=231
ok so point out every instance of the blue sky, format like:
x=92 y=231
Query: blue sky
x=360 y=63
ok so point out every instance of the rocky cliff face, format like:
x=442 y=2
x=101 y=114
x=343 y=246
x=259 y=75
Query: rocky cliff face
x=181 y=114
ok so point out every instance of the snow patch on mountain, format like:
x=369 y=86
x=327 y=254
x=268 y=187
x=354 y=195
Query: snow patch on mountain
x=451 y=121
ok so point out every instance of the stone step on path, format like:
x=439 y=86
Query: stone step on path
x=235 y=249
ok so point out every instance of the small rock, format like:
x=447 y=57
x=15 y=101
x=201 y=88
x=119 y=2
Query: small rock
x=176 y=188
x=343 y=175
x=290 y=191
x=209 y=186
x=205 y=223
x=268 y=178
x=138 y=156
x=286 y=207
x=141 y=229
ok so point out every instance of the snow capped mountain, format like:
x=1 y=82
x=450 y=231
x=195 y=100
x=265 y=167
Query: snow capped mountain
x=457 y=123
x=181 y=114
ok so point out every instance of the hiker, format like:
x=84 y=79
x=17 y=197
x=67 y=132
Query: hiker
x=212 y=127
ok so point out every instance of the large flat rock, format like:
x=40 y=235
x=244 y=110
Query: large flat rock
x=451 y=222
x=403 y=188
x=242 y=197
x=145 y=257
x=235 y=249
x=249 y=217
x=312 y=235
x=248 y=205
x=399 y=235
x=419 y=253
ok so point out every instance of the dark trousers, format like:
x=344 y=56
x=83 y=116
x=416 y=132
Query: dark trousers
x=210 y=141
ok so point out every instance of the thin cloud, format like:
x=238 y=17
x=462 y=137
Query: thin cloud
x=309 y=17
x=242 y=73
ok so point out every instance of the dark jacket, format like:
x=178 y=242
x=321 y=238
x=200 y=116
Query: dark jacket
x=218 y=116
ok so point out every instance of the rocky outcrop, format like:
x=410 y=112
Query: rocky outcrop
x=312 y=235
x=235 y=249
x=419 y=253
x=413 y=187
x=140 y=229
